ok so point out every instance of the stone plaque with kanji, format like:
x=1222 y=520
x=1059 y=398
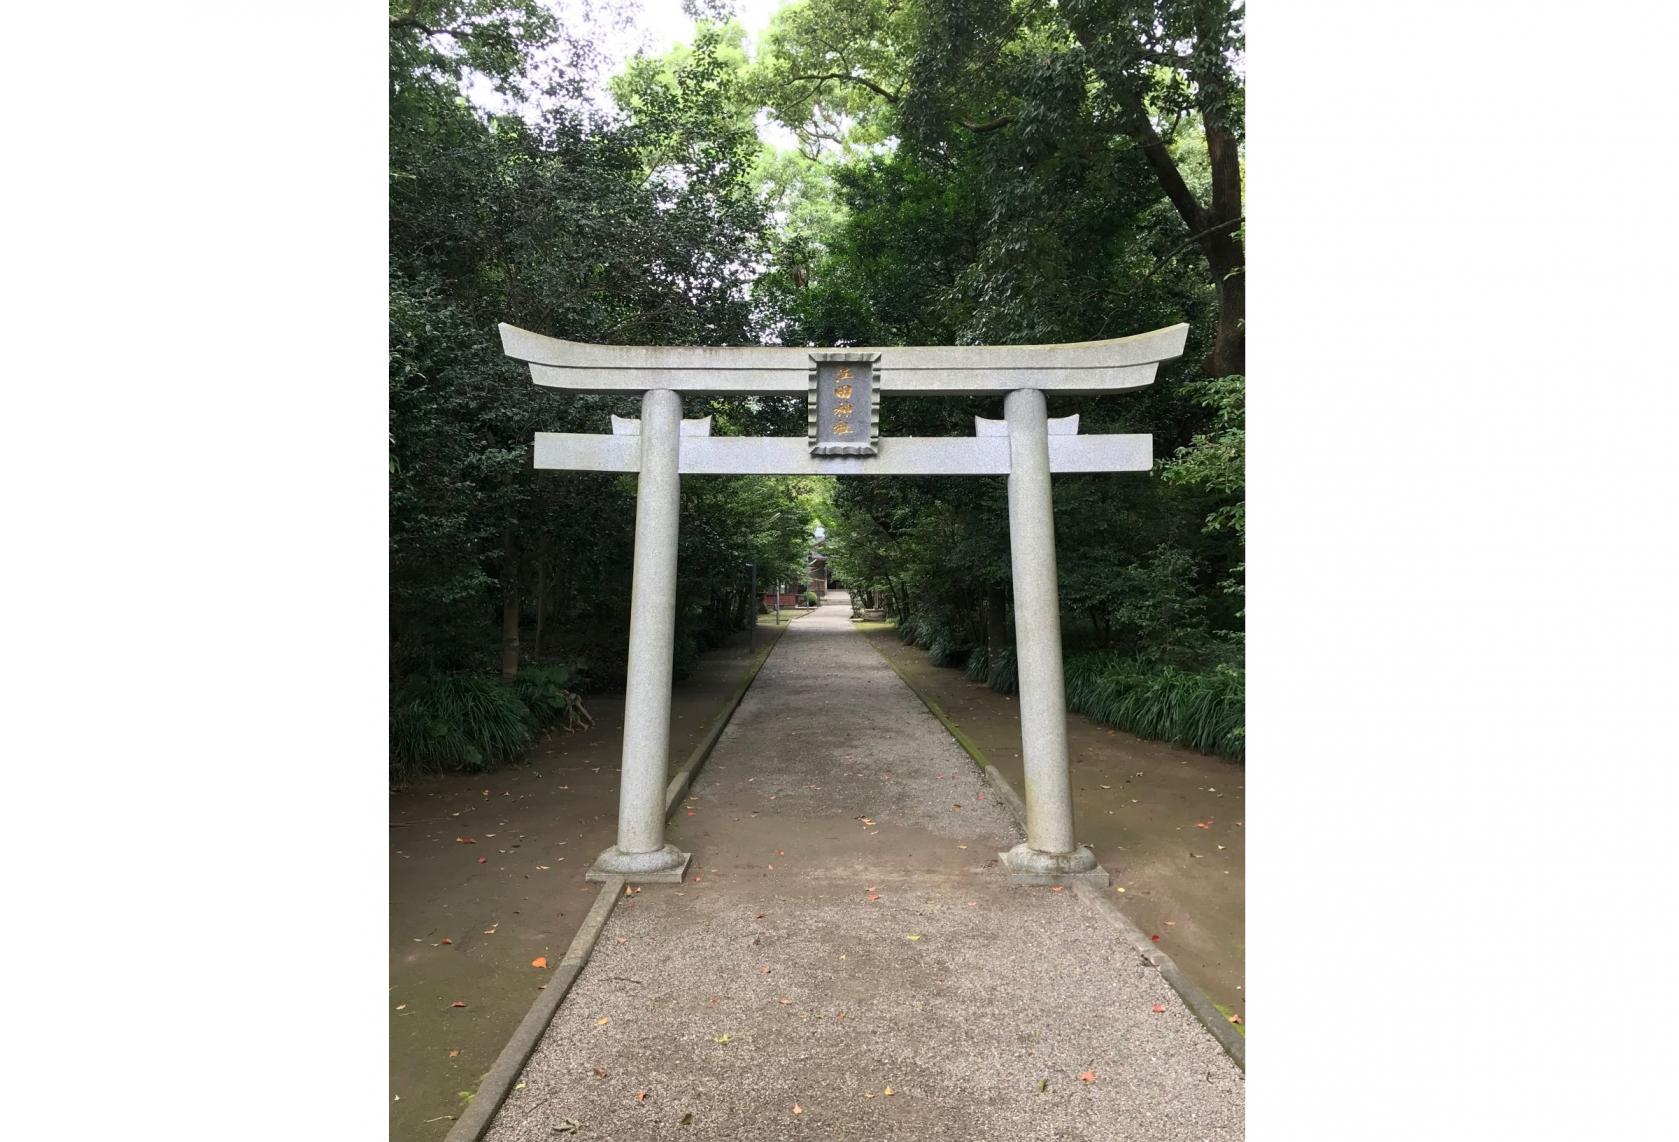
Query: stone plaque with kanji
x=844 y=415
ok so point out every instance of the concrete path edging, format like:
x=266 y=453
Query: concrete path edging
x=1232 y=1040
x=499 y=1079
x=684 y=778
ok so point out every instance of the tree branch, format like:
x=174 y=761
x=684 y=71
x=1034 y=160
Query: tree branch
x=400 y=22
x=1193 y=239
x=849 y=78
x=1166 y=170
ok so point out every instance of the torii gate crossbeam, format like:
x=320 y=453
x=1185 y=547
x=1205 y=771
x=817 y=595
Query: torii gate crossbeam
x=844 y=389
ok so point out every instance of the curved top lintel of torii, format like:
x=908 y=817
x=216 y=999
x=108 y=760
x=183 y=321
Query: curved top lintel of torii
x=1083 y=367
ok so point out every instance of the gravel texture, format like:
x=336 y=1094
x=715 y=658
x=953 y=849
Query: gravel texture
x=771 y=980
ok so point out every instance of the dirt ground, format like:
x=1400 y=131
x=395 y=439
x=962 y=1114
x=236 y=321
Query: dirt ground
x=846 y=960
x=467 y=919
x=1142 y=806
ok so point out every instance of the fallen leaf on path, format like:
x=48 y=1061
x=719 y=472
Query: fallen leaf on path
x=725 y=1037
x=603 y=1021
x=491 y=930
x=466 y=840
x=454 y=1053
x=1235 y=1019
x=641 y=1096
x=457 y=1003
x=874 y=896
x=600 y=1072
x=446 y=940
x=483 y=860
x=544 y=867
x=1155 y=937
x=912 y=936
x=888 y=1092
x=1059 y=888
x=1158 y=1008
x=797 y=1109
x=1088 y=1077
x=540 y=962
x=687 y=1119
x=623 y=940
x=1207 y=824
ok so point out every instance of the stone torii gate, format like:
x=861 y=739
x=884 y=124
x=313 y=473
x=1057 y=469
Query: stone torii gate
x=844 y=389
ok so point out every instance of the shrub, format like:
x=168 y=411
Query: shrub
x=1201 y=709
x=1001 y=674
x=947 y=648
x=442 y=722
x=810 y=598
x=685 y=653
x=472 y=722
x=545 y=689
x=979 y=661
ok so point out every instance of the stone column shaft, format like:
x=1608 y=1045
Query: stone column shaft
x=1049 y=853
x=641 y=851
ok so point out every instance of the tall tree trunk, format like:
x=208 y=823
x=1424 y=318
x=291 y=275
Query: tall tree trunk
x=541 y=595
x=996 y=622
x=1222 y=245
x=509 y=606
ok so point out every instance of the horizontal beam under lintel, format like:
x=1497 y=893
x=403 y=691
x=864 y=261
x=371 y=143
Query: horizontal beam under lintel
x=790 y=456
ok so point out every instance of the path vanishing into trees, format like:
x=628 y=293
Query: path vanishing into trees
x=847 y=960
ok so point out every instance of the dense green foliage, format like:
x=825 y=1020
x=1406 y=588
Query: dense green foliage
x=977 y=174
x=1201 y=709
x=624 y=230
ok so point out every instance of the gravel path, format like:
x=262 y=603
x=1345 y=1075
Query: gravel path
x=845 y=929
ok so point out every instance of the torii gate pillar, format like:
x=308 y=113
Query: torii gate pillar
x=1048 y=851
x=641 y=851
x=844 y=389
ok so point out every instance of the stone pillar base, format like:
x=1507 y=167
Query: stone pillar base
x=1027 y=865
x=661 y=866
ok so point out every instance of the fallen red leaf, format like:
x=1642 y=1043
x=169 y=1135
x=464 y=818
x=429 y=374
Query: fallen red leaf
x=540 y=962
x=641 y=1096
x=1088 y=1076
x=483 y=860
x=1158 y=1008
x=447 y=940
x=457 y=1003
x=1155 y=937
x=466 y=840
x=600 y=1073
